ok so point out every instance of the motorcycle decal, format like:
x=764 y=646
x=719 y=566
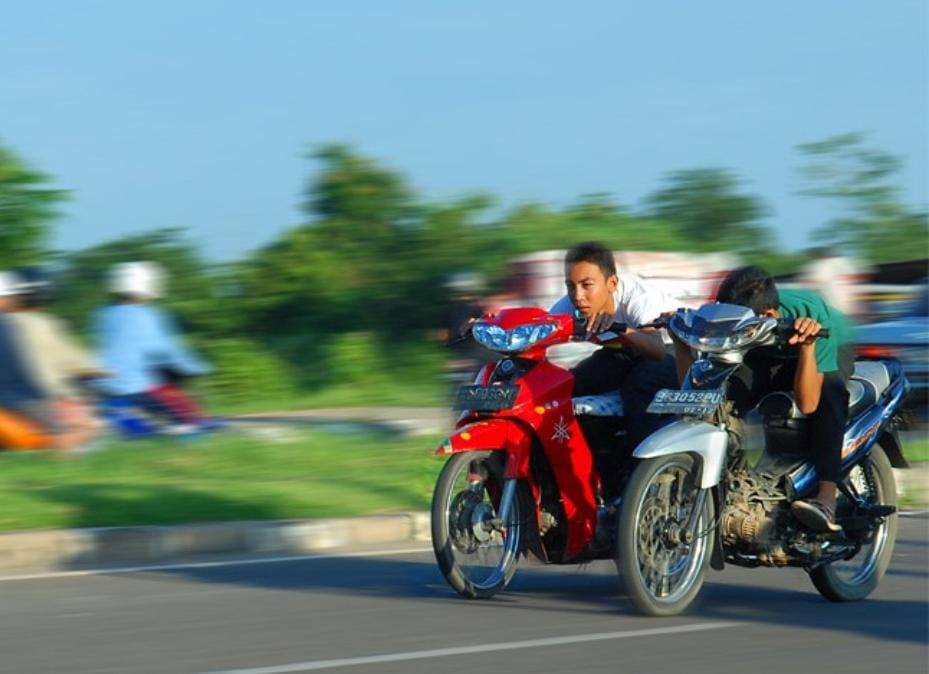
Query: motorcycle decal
x=561 y=434
x=861 y=439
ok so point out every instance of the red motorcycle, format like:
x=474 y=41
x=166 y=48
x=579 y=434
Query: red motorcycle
x=521 y=478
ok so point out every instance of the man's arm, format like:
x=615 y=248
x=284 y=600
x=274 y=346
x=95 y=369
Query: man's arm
x=646 y=342
x=808 y=381
x=683 y=359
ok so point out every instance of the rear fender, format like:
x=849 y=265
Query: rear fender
x=688 y=436
x=494 y=434
x=889 y=441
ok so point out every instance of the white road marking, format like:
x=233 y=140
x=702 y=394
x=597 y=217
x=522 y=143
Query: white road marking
x=912 y=513
x=312 y=665
x=208 y=565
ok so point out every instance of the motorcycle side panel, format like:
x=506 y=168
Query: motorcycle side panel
x=860 y=436
x=690 y=436
x=542 y=411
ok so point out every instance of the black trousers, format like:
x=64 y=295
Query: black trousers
x=764 y=371
x=637 y=379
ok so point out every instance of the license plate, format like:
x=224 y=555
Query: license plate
x=486 y=398
x=697 y=403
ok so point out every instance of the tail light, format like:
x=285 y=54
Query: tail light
x=876 y=352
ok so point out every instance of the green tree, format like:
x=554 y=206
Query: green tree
x=875 y=223
x=708 y=210
x=27 y=207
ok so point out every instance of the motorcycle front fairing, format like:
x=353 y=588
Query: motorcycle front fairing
x=542 y=414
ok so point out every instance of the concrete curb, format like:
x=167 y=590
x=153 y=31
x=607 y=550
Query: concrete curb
x=68 y=549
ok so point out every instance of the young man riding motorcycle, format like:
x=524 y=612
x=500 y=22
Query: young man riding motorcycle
x=636 y=364
x=816 y=370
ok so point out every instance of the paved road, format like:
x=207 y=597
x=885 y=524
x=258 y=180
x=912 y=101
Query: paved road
x=390 y=613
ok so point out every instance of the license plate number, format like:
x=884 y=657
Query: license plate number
x=696 y=403
x=486 y=398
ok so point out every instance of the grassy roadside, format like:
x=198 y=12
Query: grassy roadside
x=225 y=477
x=232 y=476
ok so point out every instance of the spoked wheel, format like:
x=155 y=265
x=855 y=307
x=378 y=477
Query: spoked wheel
x=661 y=567
x=856 y=578
x=476 y=545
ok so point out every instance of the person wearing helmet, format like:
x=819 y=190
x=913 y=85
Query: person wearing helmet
x=140 y=346
x=53 y=359
x=20 y=399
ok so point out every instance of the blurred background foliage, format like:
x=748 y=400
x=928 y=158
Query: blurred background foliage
x=350 y=301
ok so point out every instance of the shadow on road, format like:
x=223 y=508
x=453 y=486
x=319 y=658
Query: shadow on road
x=751 y=598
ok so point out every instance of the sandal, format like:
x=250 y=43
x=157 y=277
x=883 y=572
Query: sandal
x=815 y=516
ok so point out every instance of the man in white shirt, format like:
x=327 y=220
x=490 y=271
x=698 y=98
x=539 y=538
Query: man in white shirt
x=637 y=364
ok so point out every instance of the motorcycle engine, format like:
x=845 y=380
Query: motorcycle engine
x=750 y=520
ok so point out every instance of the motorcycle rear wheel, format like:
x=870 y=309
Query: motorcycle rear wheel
x=855 y=579
x=661 y=574
x=477 y=559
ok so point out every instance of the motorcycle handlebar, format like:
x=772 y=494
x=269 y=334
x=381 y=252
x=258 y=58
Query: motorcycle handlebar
x=785 y=330
x=581 y=333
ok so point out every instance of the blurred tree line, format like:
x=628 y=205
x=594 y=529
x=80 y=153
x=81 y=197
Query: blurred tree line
x=349 y=297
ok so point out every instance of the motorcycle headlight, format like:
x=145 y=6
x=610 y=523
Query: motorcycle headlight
x=518 y=339
x=721 y=342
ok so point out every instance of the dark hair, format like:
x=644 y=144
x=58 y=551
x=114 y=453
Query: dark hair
x=594 y=253
x=750 y=287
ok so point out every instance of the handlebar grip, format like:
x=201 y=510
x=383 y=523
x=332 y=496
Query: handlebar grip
x=580 y=326
x=785 y=329
x=618 y=328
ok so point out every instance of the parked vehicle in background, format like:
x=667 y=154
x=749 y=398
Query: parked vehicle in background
x=905 y=338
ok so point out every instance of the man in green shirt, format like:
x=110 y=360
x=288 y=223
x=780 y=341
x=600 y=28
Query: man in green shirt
x=815 y=369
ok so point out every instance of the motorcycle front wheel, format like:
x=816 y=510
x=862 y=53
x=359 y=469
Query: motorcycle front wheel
x=476 y=546
x=660 y=569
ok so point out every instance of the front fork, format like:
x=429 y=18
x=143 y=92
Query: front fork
x=505 y=508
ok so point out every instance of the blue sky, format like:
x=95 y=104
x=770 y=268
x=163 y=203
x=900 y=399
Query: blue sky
x=200 y=113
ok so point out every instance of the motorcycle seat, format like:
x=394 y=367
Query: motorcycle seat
x=868 y=382
x=874 y=373
x=602 y=405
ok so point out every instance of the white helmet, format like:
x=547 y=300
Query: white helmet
x=142 y=280
x=10 y=284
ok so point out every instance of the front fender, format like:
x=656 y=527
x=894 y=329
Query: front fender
x=494 y=434
x=689 y=436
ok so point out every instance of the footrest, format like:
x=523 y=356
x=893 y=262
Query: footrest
x=881 y=510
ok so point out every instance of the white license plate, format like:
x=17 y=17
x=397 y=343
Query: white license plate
x=696 y=403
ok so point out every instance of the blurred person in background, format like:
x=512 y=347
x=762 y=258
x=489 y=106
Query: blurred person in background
x=835 y=277
x=27 y=418
x=464 y=308
x=54 y=360
x=815 y=370
x=142 y=350
x=637 y=365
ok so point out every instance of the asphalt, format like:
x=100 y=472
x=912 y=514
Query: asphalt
x=386 y=612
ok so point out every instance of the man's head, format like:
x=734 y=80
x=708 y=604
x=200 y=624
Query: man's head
x=750 y=287
x=590 y=277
